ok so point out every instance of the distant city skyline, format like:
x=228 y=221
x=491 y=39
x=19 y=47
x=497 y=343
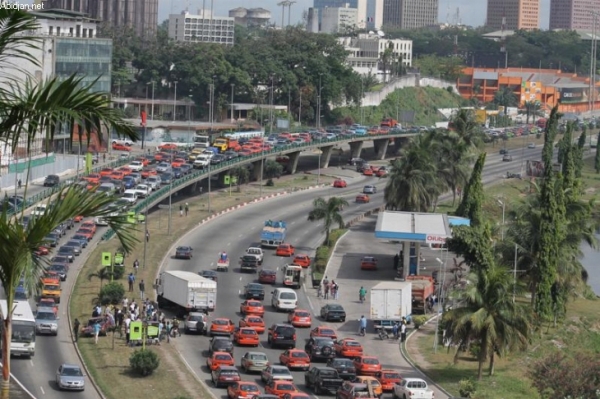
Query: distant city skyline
x=472 y=12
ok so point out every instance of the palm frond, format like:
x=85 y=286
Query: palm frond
x=16 y=41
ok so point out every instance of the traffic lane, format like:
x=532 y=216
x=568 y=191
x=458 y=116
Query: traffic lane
x=230 y=286
x=38 y=373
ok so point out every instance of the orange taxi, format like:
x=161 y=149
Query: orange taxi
x=367 y=365
x=362 y=199
x=50 y=277
x=280 y=387
x=348 y=347
x=78 y=218
x=389 y=378
x=167 y=147
x=368 y=263
x=251 y=306
x=87 y=233
x=296 y=395
x=381 y=172
x=295 y=359
x=219 y=359
x=42 y=250
x=221 y=326
x=126 y=170
x=177 y=162
x=120 y=147
x=368 y=172
x=285 y=250
x=300 y=318
x=117 y=175
x=322 y=331
x=106 y=172
x=143 y=160
x=93 y=178
x=147 y=172
x=246 y=336
x=340 y=183
x=243 y=390
x=89 y=225
x=92 y=186
x=256 y=322
x=302 y=260
x=370 y=380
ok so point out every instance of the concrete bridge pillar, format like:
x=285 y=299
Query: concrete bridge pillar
x=355 y=149
x=380 y=146
x=293 y=162
x=325 y=156
x=256 y=167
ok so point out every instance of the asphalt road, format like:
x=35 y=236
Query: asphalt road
x=236 y=231
x=233 y=232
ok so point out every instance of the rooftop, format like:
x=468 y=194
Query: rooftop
x=56 y=14
x=415 y=227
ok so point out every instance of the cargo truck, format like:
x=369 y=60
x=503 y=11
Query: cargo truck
x=273 y=234
x=292 y=276
x=390 y=301
x=422 y=288
x=226 y=143
x=186 y=292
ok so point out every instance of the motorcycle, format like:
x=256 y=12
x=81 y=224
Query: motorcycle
x=361 y=298
x=383 y=334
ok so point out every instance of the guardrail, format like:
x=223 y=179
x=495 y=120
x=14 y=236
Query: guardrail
x=198 y=175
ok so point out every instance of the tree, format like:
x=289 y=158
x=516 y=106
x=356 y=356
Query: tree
x=579 y=153
x=29 y=110
x=273 y=169
x=532 y=108
x=329 y=212
x=385 y=59
x=242 y=174
x=505 y=97
x=467 y=128
x=563 y=375
x=488 y=315
x=453 y=162
x=101 y=274
x=597 y=157
x=473 y=195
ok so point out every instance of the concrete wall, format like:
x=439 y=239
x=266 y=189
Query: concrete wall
x=63 y=164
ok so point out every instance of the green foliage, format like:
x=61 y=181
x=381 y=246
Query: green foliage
x=270 y=183
x=466 y=388
x=329 y=212
x=118 y=272
x=447 y=68
x=324 y=252
x=130 y=112
x=580 y=149
x=273 y=169
x=143 y=362
x=111 y=294
x=470 y=206
x=505 y=97
x=419 y=320
x=597 y=157
x=473 y=245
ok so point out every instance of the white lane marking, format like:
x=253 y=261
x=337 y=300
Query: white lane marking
x=309 y=301
x=240 y=279
x=239 y=292
x=241 y=235
x=42 y=389
x=228 y=244
x=212 y=264
x=292 y=222
x=31 y=363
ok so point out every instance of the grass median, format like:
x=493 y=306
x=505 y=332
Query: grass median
x=108 y=362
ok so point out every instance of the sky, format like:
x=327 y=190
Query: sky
x=472 y=12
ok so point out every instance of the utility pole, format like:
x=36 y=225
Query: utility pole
x=289 y=5
x=175 y=102
x=232 y=88
x=283 y=5
x=593 y=62
x=152 y=111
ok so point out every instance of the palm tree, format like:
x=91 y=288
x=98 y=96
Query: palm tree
x=413 y=184
x=506 y=98
x=385 y=60
x=101 y=274
x=453 y=157
x=329 y=212
x=489 y=316
x=532 y=108
x=27 y=110
x=467 y=128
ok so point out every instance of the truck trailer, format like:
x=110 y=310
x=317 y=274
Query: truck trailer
x=186 y=292
x=273 y=234
x=390 y=302
x=422 y=288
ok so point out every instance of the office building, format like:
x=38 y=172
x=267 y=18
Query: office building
x=513 y=14
x=140 y=15
x=365 y=53
x=359 y=5
x=338 y=20
x=201 y=28
x=574 y=14
x=374 y=14
x=312 y=20
x=250 y=17
x=410 y=14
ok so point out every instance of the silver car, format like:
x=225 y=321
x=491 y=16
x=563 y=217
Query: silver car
x=70 y=377
x=46 y=321
x=196 y=322
x=369 y=189
x=254 y=361
x=276 y=373
x=76 y=244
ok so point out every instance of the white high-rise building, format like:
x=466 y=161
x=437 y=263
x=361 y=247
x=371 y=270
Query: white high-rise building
x=338 y=20
x=201 y=28
x=374 y=14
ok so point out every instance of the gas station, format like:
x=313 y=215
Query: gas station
x=412 y=230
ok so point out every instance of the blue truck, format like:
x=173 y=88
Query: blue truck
x=273 y=234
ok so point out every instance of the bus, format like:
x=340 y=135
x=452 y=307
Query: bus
x=22 y=342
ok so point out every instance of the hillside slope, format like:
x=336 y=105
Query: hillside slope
x=423 y=100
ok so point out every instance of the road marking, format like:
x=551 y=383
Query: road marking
x=292 y=222
x=228 y=244
x=42 y=389
x=309 y=301
x=31 y=362
x=240 y=279
x=212 y=264
x=239 y=292
x=241 y=235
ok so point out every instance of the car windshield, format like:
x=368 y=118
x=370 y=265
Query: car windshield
x=223 y=357
x=302 y=314
x=220 y=322
x=258 y=357
x=45 y=316
x=51 y=288
x=285 y=387
x=370 y=361
x=288 y=295
x=280 y=371
x=352 y=343
x=229 y=372
x=391 y=376
x=249 y=388
x=255 y=320
x=299 y=354
x=327 y=373
x=71 y=372
x=327 y=331
x=254 y=304
x=249 y=331
x=195 y=318
x=334 y=307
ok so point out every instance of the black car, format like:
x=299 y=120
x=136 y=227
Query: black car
x=82 y=240
x=254 y=291
x=60 y=269
x=333 y=312
x=320 y=348
x=217 y=159
x=177 y=173
x=229 y=155
x=51 y=181
x=52 y=239
x=220 y=344
x=248 y=263
x=209 y=274
x=344 y=367
x=119 y=185
x=68 y=252
x=282 y=335
x=60 y=259
x=183 y=252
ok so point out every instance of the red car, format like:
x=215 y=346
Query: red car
x=340 y=183
x=42 y=251
x=267 y=276
x=323 y=332
x=367 y=365
x=302 y=260
x=285 y=250
x=295 y=359
x=363 y=198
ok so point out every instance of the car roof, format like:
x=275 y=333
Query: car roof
x=229 y=368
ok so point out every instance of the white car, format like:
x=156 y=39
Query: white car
x=136 y=166
x=163 y=167
x=256 y=252
x=531 y=145
x=130 y=196
x=39 y=210
x=154 y=182
x=414 y=388
x=202 y=161
x=369 y=189
x=276 y=373
x=128 y=143
x=143 y=190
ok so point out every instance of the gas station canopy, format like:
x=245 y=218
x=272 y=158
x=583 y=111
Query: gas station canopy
x=428 y=228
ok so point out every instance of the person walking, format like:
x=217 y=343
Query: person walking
x=362 y=293
x=334 y=290
x=19 y=183
x=403 y=330
x=136 y=266
x=131 y=280
x=147 y=236
x=326 y=288
x=187 y=209
x=142 y=288
x=76 y=325
x=180 y=210
x=96 y=331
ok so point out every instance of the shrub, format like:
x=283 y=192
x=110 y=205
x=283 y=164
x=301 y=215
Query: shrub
x=466 y=388
x=119 y=272
x=418 y=321
x=474 y=349
x=321 y=258
x=111 y=294
x=335 y=235
x=143 y=362
x=269 y=183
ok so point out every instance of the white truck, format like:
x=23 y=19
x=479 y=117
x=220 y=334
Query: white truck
x=412 y=388
x=136 y=166
x=293 y=276
x=202 y=161
x=257 y=253
x=186 y=292
x=390 y=301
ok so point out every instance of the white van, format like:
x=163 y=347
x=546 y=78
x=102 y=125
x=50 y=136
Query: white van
x=284 y=299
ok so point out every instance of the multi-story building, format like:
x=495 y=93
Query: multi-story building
x=338 y=19
x=574 y=14
x=513 y=14
x=365 y=53
x=359 y=5
x=250 y=17
x=374 y=14
x=410 y=14
x=140 y=15
x=201 y=28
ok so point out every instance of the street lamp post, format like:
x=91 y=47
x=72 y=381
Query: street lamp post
x=503 y=205
x=175 y=102
x=152 y=111
x=319 y=104
x=593 y=62
x=170 y=199
x=232 y=92
x=441 y=298
x=300 y=109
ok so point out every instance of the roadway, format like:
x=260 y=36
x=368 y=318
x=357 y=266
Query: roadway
x=233 y=232
x=236 y=231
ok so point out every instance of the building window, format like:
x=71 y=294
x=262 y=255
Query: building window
x=50 y=30
x=84 y=34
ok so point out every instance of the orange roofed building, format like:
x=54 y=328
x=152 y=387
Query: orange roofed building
x=548 y=86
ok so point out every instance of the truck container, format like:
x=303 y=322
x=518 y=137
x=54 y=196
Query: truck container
x=292 y=276
x=273 y=234
x=201 y=140
x=226 y=143
x=390 y=301
x=186 y=292
x=422 y=288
